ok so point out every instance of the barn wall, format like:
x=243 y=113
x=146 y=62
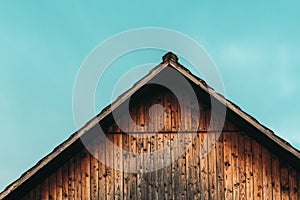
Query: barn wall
x=237 y=167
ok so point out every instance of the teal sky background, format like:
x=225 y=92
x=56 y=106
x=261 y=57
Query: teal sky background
x=255 y=46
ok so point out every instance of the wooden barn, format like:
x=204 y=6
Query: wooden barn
x=241 y=160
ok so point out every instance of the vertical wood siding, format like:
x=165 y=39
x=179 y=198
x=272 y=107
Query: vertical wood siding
x=236 y=167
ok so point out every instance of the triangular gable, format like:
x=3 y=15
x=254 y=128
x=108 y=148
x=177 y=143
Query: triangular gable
x=261 y=133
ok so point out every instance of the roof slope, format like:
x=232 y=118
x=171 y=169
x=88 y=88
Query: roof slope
x=260 y=132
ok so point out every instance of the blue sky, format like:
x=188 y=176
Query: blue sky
x=255 y=46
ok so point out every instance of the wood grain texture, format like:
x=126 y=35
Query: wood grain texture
x=228 y=166
x=257 y=170
x=232 y=166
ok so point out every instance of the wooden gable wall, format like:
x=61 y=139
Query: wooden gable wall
x=238 y=167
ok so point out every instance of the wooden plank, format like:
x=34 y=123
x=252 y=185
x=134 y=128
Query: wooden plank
x=59 y=184
x=126 y=160
x=146 y=151
x=149 y=150
x=45 y=189
x=146 y=163
x=166 y=143
x=95 y=172
x=109 y=175
x=257 y=170
x=182 y=190
x=156 y=124
x=52 y=186
x=118 y=166
x=77 y=169
x=220 y=168
x=139 y=148
x=160 y=175
x=211 y=140
x=118 y=160
x=266 y=177
x=85 y=174
x=175 y=152
x=275 y=170
x=71 y=180
x=284 y=180
x=203 y=155
x=152 y=127
x=242 y=166
x=133 y=150
x=293 y=182
x=189 y=164
x=235 y=164
x=249 y=168
x=102 y=169
x=153 y=191
x=195 y=149
x=160 y=145
x=228 y=166
x=65 y=180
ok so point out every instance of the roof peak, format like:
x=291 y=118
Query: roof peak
x=170 y=56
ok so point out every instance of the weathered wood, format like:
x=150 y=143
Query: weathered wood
x=220 y=168
x=235 y=164
x=174 y=147
x=167 y=151
x=276 y=187
x=212 y=157
x=71 y=179
x=182 y=186
x=118 y=159
x=38 y=192
x=45 y=189
x=293 y=182
x=228 y=166
x=102 y=169
x=195 y=160
x=78 y=172
x=109 y=175
x=284 y=181
x=59 y=184
x=257 y=170
x=65 y=180
x=234 y=167
x=139 y=150
x=242 y=166
x=255 y=130
x=133 y=149
x=249 y=168
x=126 y=163
x=203 y=155
x=160 y=145
x=52 y=186
x=94 y=173
x=266 y=174
x=85 y=174
x=153 y=128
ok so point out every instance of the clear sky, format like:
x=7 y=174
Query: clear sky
x=255 y=46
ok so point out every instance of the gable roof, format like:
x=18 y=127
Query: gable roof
x=258 y=131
